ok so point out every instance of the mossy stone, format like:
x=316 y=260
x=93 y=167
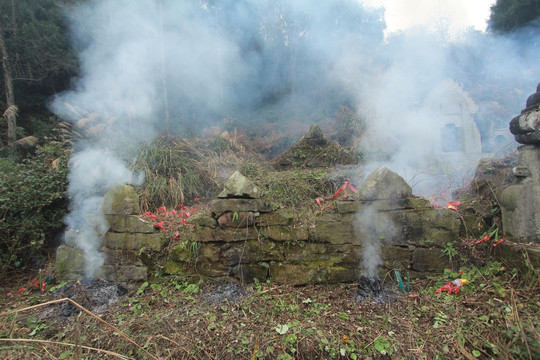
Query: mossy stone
x=399 y=256
x=135 y=241
x=69 y=263
x=334 y=229
x=129 y=224
x=202 y=219
x=247 y=273
x=286 y=233
x=429 y=260
x=180 y=253
x=121 y=199
x=316 y=272
x=279 y=217
x=252 y=251
x=174 y=268
x=383 y=183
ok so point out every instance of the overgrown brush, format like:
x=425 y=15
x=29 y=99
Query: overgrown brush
x=32 y=205
x=179 y=170
x=295 y=188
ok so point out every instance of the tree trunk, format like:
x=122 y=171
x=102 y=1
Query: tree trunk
x=163 y=69
x=10 y=95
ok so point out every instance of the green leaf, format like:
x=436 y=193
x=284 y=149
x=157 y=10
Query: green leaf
x=282 y=329
x=141 y=288
x=66 y=354
x=476 y=353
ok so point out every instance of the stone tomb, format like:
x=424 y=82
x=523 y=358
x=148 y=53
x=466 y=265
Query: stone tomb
x=452 y=109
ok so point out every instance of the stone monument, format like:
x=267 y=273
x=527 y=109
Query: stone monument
x=520 y=202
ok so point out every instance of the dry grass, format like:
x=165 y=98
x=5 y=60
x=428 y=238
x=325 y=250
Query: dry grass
x=12 y=110
x=177 y=171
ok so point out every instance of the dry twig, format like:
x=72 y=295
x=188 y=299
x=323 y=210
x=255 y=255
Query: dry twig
x=74 y=303
x=49 y=342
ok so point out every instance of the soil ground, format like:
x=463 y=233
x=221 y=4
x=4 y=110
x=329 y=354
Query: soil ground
x=495 y=316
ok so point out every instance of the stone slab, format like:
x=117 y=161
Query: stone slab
x=335 y=229
x=233 y=234
x=247 y=273
x=69 y=263
x=130 y=224
x=220 y=206
x=311 y=273
x=279 y=217
x=302 y=252
x=123 y=273
x=285 y=233
x=122 y=257
x=136 y=241
x=121 y=199
x=238 y=186
x=344 y=207
x=429 y=260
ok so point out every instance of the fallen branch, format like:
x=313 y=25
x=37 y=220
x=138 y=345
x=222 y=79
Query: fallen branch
x=49 y=342
x=74 y=303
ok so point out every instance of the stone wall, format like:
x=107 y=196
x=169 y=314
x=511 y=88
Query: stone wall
x=124 y=244
x=328 y=250
x=242 y=238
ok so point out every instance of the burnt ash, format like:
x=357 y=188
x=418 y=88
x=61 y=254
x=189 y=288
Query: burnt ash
x=371 y=290
x=230 y=292
x=93 y=294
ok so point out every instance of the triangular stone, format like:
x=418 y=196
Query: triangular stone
x=238 y=186
x=384 y=184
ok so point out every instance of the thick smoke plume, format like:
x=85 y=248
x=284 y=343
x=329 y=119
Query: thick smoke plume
x=92 y=173
x=494 y=71
x=175 y=67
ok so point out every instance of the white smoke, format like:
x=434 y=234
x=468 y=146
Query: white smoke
x=496 y=72
x=92 y=173
x=174 y=67
x=458 y=14
x=373 y=228
x=130 y=51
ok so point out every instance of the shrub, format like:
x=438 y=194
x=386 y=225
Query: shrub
x=32 y=205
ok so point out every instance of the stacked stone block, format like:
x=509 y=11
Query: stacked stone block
x=520 y=202
x=243 y=239
x=124 y=244
x=128 y=237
